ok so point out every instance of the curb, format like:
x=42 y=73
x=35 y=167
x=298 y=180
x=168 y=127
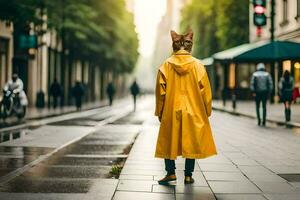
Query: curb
x=278 y=122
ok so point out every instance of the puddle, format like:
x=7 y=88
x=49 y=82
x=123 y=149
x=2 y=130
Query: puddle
x=12 y=158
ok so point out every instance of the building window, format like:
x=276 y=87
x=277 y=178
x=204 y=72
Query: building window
x=284 y=12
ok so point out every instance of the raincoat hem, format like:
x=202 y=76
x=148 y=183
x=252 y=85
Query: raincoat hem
x=189 y=156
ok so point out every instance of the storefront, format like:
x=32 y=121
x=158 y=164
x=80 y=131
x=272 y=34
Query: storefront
x=234 y=67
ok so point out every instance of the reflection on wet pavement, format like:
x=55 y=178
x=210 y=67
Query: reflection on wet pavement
x=73 y=169
x=47 y=185
x=88 y=121
x=133 y=118
x=6 y=136
x=12 y=158
x=77 y=168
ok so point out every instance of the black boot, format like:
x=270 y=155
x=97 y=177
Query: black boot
x=286 y=114
x=288 y=117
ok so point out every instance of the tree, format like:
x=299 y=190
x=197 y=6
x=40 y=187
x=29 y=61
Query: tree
x=233 y=23
x=101 y=32
x=217 y=24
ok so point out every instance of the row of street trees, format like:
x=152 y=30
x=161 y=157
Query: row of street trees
x=101 y=32
x=217 y=24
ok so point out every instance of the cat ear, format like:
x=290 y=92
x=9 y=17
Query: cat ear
x=189 y=34
x=174 y=35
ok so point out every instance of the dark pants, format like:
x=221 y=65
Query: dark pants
x=78 y=101
x=189 y=166
x=55 y=101
x=111 y=98
x=134 y=101
x=261 y=97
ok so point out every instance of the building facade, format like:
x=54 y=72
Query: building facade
x=6 y=52
x=287 y=27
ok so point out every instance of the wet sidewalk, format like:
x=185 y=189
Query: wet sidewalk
x=253 y=163
x=275 y=112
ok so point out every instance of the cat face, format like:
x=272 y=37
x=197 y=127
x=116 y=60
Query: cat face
x=182 y=42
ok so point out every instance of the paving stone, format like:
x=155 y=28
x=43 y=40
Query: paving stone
x=163 y=189
x=195 y=197
x=240 y=197
x=254 y=169
x=265 y=177
x=143 y=172
x=231 y=155
x=143 y=167
x=188 y=192
x=219 y=167
x=295 y=184
x=135 y=185
x=291 y=177
x=282 y=196
x=276 y=187
x=284 y=169
x=233 y=187
x=103 y=187
x=135 y=177
x=224 y=176
x=244 y=161
x=121 y=195
x=218 y=159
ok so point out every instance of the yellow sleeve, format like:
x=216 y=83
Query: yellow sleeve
x=160 y=93
x=206 y=92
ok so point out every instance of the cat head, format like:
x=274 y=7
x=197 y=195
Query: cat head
x=182 y=42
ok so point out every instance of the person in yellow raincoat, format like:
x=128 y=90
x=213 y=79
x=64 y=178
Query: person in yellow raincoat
x=183 y=105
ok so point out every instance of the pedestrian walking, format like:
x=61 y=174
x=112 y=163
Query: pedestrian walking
x=183 y=105
x=78 y=93
x=110 y=90
x=286 y=88
x=261 y=85
x=55 y=92
x=135 y=90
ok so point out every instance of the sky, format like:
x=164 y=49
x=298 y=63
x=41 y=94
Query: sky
x=148 y=14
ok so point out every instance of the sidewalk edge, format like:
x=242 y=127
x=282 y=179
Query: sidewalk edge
x=278 y=122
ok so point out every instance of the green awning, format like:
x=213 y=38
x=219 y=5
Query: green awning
x=232 y=53
x=264 y=51
x=207 y=61
x=272 y=51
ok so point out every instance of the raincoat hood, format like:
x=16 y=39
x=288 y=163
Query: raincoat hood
x=181 y=61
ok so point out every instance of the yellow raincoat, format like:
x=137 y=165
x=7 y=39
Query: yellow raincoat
x=183 y=103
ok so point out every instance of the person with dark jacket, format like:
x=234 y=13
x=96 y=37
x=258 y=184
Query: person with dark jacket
x=110 y=90
x=78 y=93
x=135 y=90
x=261 y=85
x=286 y=86
x=55 y=92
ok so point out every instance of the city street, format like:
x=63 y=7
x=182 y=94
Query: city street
x=85 y=84
x=71 y=158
